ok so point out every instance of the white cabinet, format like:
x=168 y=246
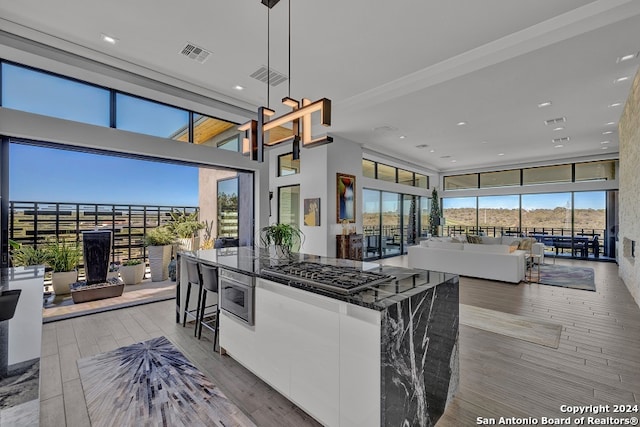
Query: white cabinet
x=322 y=354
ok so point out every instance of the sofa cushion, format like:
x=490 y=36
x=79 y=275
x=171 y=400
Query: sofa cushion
x=487 y=249
x=445 y=245
x=507 y=240
x=514 y=246
x=491 y=240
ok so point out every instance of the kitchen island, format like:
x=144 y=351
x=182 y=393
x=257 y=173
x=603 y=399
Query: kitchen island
x=384 y=354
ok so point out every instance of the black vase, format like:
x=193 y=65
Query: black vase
x=96 y=251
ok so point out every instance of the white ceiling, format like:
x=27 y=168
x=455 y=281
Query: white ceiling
x=412 y=68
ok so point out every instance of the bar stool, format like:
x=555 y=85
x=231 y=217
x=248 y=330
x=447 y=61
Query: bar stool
x=193 y=278
x=209 y=284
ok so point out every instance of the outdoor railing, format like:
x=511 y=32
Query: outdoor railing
x=40 y=223
x=392 y=235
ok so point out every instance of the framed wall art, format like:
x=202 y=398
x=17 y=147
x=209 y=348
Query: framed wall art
x=312 y=212
x=346 y=198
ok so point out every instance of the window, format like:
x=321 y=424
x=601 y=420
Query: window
x=596 y=171
x=42 y=93
x=231 y=144
x=288 y=166
x=461 y=182
x=422 y=181
x=497 y=214
x=211 y=131
x=549 y=213
x=228 y=207
x=150 y=118
x=546 y=174
x=386 y=173
x=500 y=179
x=368 y=168
x=405 y=177
x=289 y=205
x=459 y=213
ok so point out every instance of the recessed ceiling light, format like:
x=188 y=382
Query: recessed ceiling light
x=544 y=104
x=604 y=142
x=402 y=136
x=626 y=57
x=558 y=146
x=500 y=154
x=559 y=128
x=621 y=79
x=422 y=146
x=610 y=123
x=483 y=142
x=461 y=123
x=615 y=104
x=453 y=161
x=608 y=132
x=432 y=151
x=108 y=39
x=238 y=87
x=604 y=148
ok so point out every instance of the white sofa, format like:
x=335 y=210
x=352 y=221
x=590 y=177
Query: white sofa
x=485 y=261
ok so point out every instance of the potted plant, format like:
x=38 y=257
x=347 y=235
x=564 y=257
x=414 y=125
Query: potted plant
x=132 y=271
x=158 y=241
x=23 y=256
x=63 y=258
x=185 y=227
x=283 y=237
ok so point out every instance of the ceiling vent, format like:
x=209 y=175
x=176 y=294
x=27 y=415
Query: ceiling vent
x=560 y=140
x=196 y=53
x=555 y=121
x=275 y=77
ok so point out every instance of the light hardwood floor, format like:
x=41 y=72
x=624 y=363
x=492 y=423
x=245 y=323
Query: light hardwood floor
x=597 y=362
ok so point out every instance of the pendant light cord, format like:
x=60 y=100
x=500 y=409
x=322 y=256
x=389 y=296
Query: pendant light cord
x=289 y=49
x=268 y=56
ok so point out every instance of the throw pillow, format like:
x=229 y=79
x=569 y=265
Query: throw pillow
x=474 y=239
x=514 y=246
x=526 y=244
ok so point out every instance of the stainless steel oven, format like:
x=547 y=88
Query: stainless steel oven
x=237 y=291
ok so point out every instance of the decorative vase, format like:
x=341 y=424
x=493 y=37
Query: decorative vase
x=172 y=269
x=132 y=274
x=96 y=248
x=61 y=281
x=159 y=257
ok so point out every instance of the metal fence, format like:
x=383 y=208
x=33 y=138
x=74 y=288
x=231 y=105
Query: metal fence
x=40 y=223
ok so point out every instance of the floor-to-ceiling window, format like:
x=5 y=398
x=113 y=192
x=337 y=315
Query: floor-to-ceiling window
x=228 y=207
x=459 y=213
x=498 y=213
x=391 y=223
x=371 y=223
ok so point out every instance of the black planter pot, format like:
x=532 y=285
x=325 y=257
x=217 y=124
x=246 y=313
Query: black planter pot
x=96 y=250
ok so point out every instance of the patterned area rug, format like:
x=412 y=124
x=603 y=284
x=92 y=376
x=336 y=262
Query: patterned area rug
x=567 y=276
x=152 y=384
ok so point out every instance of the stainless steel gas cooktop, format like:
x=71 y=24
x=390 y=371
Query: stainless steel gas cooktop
x=344 y=280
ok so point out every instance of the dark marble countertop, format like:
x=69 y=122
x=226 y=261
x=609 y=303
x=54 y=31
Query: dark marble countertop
x=406 y=283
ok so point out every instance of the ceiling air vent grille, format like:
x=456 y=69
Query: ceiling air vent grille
x=196 y=53
x=560 y=140
x=555 y=121
x=275 y=77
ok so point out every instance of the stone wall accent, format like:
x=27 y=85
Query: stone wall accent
x=629 y=134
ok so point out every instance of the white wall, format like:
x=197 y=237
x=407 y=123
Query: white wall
x=317 y=179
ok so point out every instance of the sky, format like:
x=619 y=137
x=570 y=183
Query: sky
x=54 y=175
